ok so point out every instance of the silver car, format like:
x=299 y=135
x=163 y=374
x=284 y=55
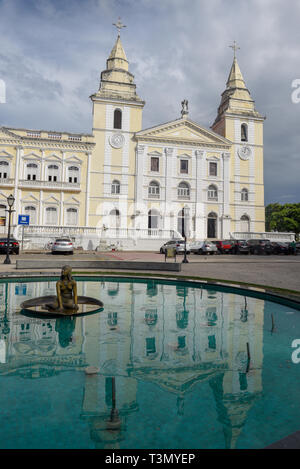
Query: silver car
x=178 y=244
x=204 y=247
x=63 y=246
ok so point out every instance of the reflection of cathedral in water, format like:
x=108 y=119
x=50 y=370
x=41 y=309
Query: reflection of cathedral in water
x=175 y=337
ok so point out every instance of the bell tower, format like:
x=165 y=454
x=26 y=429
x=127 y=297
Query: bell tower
x=117 y=115
x=239 y=121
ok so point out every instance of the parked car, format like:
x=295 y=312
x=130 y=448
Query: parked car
x=203 y=247
x=14 y=247
x=224 y=247
x=280 y=248
x=178 y=244
x=260 y=246
x=62 y=245
x=298 y=248
x=240 y=246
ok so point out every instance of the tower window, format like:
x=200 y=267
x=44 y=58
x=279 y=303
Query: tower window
x=244 y=133
x=244 y=195
x=117 y=119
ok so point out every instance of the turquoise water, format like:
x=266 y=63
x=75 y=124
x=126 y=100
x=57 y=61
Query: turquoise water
x=172 y=361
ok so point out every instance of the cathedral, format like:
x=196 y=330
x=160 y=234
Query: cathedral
x=133 y=185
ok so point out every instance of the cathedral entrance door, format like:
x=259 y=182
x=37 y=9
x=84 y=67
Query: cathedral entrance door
x=212 y=225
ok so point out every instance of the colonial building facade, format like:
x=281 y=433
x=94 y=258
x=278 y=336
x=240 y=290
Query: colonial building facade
x=124 y=182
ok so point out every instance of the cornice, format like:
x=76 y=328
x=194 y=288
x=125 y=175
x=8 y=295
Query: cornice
x=179 y=142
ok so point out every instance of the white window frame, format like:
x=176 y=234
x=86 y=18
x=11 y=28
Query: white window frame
x=154 y=190
x=72 y=210
x=183 y=190
x=48 y=210
x=115 y=187
x=73 y=174
x=5 y=164
x=212 y=193
x=53 y=172
x=32 y=221
x=30 y=174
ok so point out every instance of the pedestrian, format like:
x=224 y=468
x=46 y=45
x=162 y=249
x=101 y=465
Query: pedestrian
x=292 y=248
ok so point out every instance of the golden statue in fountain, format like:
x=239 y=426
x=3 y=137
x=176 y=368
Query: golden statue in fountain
x=66 y=302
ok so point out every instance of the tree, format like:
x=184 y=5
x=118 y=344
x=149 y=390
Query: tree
x=283 y=218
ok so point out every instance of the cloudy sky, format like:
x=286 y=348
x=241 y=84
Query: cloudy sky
x=52 y=53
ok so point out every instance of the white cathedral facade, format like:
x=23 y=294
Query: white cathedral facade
x=135 y=185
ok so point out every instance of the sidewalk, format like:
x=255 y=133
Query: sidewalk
x=273 y=271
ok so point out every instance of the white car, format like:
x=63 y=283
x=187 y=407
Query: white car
x=178 y=244
x=63 y=246
x=203 y=247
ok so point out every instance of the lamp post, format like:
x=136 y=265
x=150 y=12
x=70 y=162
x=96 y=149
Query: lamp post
x=185 y=261
x=10 y=203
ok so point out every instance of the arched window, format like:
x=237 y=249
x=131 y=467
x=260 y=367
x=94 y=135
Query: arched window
x=212 y=192
x=115 y=187
x=118 y=119
x=154 y=189
x=4 y=167
x=245 y=224
x=31 y=211
x=51 y=216
x=53 y=172
x=244 y=133
x=183 y=191
x=31 y=171
x=244 y=195
x=72 y=216
x=73 y=174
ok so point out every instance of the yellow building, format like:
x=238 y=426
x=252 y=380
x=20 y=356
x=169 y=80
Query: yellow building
x=136 y=186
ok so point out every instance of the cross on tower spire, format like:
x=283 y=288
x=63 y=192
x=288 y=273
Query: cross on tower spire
x=235 y=47
x=119 y=25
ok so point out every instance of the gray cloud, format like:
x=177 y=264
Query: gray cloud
x=51 y=61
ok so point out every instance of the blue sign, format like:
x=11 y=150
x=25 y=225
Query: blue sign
x=23 y=220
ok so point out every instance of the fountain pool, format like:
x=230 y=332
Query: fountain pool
x=179 y=365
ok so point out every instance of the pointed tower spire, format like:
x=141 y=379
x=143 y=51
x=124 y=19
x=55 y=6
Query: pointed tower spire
x=116 y=81
x=236 y=99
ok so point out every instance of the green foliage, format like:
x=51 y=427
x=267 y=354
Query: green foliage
x=283 y=218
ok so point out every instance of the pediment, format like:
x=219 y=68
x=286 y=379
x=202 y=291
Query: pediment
x=52 y=199
x=183 y=130
x=72 y=201
x=5 y=154
x=32 y=156
x=30 y=198
x=73 y=159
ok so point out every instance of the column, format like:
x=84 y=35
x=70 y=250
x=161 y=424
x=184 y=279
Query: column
x=167 y=208
x=199 y=204
x=87 y=194
x=226 y=195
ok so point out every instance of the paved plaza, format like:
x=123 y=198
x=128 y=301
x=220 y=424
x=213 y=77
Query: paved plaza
x=273 y=271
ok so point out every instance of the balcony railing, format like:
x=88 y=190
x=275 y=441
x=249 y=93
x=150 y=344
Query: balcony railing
x=60 y=185
x=107 y=233
x=6 y=182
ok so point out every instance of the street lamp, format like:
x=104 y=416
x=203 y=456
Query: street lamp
x=10 y=203
x=185 y=261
